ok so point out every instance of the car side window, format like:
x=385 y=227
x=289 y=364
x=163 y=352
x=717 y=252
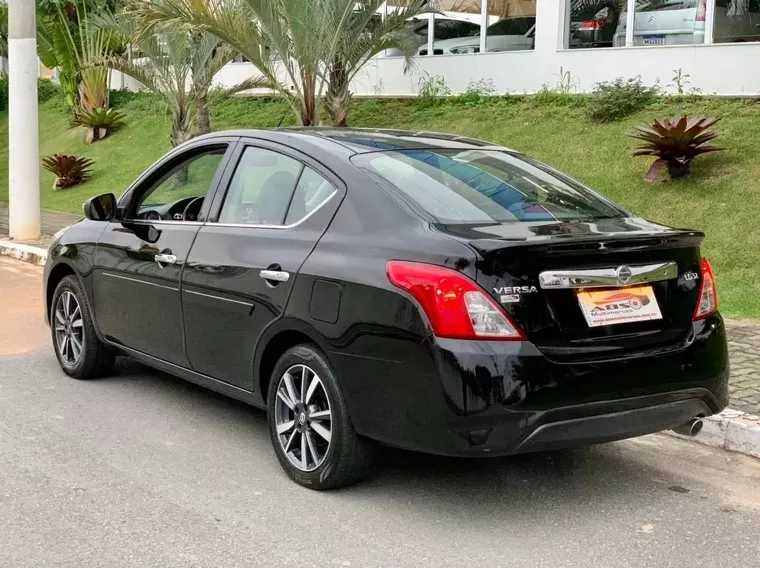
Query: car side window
x=261 y=188
x=190 y=179
x=312 y=190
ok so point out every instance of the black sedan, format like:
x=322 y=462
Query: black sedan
x=419 y=290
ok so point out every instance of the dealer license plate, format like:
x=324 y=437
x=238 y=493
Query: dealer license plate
x=654 y=40
x=624 y=305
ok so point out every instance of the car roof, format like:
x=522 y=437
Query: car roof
x=362 y=140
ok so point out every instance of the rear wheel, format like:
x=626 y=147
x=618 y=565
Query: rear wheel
x=79 y=351
x=311 y=431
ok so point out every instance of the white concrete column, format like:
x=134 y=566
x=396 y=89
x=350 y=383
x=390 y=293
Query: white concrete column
x=549 y=22
x=431 y=32
x=483 y=25
x=710 y=22
x=23 y=122
x=629 y=22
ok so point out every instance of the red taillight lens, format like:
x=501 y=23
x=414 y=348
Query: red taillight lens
x=591 y=25
x=708 y=293
x=702 y=11
x=455 y=305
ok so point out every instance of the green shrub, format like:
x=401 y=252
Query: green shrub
x=478 y=93
x=433 y=89
x=47 y=90
x=100 y=122
x=618 y=99
x=3 y=91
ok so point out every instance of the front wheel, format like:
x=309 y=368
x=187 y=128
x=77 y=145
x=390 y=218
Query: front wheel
x=311 y=432
x=79 y=351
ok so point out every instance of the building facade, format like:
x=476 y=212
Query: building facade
x=520 y=46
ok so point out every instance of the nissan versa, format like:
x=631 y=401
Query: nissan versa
x=419 y=290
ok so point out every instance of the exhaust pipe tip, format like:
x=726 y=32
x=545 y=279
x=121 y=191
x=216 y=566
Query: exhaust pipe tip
x=691 y=428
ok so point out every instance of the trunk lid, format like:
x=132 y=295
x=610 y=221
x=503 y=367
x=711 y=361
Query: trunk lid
x=512 y=256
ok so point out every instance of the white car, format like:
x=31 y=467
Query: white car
x=678 y=22
x=510 y=34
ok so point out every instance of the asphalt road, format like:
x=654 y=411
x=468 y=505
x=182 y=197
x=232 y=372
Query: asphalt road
x=142 y=469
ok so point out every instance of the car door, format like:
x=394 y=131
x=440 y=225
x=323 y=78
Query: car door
x=266 y=219
x=141 y=254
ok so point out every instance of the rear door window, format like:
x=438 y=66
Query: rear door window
x=484 y=186
x=261 y=188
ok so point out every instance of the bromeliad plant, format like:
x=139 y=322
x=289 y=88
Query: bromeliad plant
x=675 y=143
x=99 y=122
x=68 y=170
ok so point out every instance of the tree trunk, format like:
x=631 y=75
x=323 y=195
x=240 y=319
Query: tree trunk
x=181 y=132
x=202 y=113
x=338 y=97
x=309 y=110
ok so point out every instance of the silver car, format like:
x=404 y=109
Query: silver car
x=682 y=22
x=509 y=34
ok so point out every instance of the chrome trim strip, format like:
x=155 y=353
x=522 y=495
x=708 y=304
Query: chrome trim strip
x=219 y=298
x=252 y=226
x=160 y=222
x=140 y=281
x=607 y=277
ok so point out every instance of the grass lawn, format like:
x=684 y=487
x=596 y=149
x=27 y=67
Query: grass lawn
x=721 y=197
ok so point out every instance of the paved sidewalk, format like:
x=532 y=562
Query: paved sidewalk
x=744 y=349
x=51 y=222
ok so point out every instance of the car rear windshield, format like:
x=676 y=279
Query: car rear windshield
x=484 y=186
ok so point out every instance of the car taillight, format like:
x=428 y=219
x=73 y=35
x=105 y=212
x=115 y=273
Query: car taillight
x=708 y=294
x=702 y=11
x=590 y=25
x=455 y=305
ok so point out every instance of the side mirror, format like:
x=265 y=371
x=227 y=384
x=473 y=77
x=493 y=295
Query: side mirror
x=101 y=208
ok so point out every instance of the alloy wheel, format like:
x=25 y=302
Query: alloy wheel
x=69 y=330
x=303 y=418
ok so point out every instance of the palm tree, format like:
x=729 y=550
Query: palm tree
x=297 y=31
x=68 y=40
x=364 y=37
x=178 y=65
x=304 y=35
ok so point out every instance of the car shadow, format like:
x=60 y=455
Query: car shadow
x=597 y=477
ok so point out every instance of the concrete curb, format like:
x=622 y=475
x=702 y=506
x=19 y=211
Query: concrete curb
x=20 y=251
x=730 y=430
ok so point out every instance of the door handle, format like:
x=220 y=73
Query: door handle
x=275 y=275
x=165 y=258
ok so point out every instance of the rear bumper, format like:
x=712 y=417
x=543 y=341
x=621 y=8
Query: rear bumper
x=495 y=398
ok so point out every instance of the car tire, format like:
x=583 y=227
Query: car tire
x=347 y=457
x=70 y=316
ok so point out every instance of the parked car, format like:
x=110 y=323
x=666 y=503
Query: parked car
x=445 y=28
x=593 y=23
x=509 y=34
x=674 y=22
x=425 y=291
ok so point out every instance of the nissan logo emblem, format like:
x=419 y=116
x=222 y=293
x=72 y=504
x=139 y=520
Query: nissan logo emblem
x=623 y=274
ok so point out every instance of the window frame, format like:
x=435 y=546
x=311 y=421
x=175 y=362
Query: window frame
x=127 y=203
x=305 y=161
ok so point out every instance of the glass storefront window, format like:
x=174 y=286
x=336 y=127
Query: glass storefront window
x=593 y=23
x=666 y=22
x=511 y=26
x=736 y=21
